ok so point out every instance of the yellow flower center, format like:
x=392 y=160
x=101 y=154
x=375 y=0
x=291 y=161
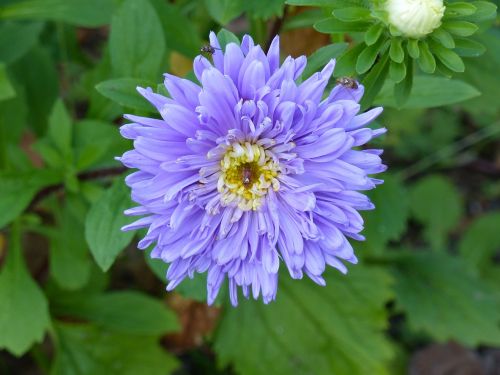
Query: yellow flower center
x=247 y=172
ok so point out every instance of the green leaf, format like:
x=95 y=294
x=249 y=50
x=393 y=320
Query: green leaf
x=60 y=128
x=374 y=80
x=224 y=11
x=36 y=73
x=18 y=189
x=271 y=9
x=6 y=89
x=347 y=61
x=468 y=48
x=481 y=241
x=70 y=264
x=460 y=28
x=352 y=14
x=332 y=25
x=373 y=33
x=24 y=314
x=449 y=58
x=486 y=11
x=436 y=204
x=367 y=58
x=428 y=92
x=459 y=9
x=103 y=225
x=136 y=42
x=225 y=37
x=443 y=299
x=396 y=51
x=397 y=71
x=322 y=56
x=307 y=330
x=412 y=48
x=303 y=19
x=388 y=221
x=86 y=349
x=403 y=89
x=123 y=312
x=97 y=141
x=25 y=35
x=123 y=91
x=88 y=13
x=311 y=3
x=179 y=31
x=426 y=60
x=443 y=37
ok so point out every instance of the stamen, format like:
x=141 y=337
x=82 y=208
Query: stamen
x=247 y=172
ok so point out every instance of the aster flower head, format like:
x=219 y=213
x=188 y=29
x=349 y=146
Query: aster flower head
x=250 y=170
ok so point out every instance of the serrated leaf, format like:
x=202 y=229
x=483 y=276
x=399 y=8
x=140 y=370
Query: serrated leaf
x=24 y=314
x=333 y=26
x=388 y=220
x=136 y=41
x=449 y=58
x=322 y=56
x=86 y=349
x=123 y=312
x=224 y=11
x=307 y=331
x=104 y=222
x=396 y=51
x=426 y=60
x=444 y=300
x=460 y=28
x=429 y=92
x=88 y=13
x=437 y=205
x=123 y=91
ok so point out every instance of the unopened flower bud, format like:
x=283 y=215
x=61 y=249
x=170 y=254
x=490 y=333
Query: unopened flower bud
x=415 y=18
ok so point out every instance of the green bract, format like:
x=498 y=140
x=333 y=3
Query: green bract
x=436 y=40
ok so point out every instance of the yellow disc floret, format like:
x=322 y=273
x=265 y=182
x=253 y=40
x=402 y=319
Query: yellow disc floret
x=247 y=173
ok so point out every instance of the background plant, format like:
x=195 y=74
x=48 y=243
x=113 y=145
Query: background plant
x=76 y=297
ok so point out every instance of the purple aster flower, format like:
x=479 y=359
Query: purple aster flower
x=250 y=169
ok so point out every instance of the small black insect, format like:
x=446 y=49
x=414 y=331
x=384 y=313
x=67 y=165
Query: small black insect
x=208 y=50
x=347 y=82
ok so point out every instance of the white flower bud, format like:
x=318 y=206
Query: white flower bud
x=415 y=18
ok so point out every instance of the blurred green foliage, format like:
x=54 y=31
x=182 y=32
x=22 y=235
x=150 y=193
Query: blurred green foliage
x=75 y=298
